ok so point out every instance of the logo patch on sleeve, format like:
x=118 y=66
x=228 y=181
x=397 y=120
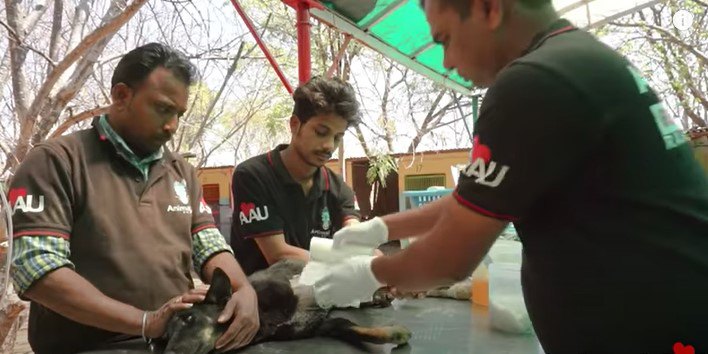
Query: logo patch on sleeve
x=670 y=132
x=485 y=171
x=204 y=207
x=27 y=203
x=250 y=212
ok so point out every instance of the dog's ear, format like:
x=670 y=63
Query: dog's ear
x=220 y=289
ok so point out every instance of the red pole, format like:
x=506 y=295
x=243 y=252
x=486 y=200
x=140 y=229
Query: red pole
x=303 y=41
x=260 y=43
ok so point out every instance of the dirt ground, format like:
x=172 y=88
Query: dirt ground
x=21 y=345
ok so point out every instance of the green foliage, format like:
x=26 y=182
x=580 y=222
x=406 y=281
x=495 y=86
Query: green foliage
x=201 y=95
x=380 y=166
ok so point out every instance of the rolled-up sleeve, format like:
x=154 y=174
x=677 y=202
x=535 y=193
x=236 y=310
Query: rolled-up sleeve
x=205 y=244
x=33 y=257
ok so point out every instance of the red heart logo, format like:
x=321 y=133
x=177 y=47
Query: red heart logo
x=679 y=348
x=247 y=207
x=480 y=151
x=16 y=193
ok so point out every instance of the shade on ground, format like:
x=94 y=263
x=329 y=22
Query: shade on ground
x=398 y=29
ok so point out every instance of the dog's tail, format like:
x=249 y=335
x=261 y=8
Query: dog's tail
x=350 y=332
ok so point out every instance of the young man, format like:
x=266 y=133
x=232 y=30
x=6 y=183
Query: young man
x=285 y=197
x=108 y=222
x=574 y=148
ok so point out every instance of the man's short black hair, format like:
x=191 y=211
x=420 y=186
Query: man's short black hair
x=321 y=95
x=463 y=6
x=137 y=65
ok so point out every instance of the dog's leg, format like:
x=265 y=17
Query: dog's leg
x=350 y=332
x=304 y=324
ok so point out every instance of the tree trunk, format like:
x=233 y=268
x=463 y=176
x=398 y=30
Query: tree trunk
x=22 y=31
x=84 y=69
x=18 y=54
x=42 y=98
x=54 y=37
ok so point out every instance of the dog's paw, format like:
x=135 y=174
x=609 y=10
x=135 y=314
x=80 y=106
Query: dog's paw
x=394 y=334
x=399 y=334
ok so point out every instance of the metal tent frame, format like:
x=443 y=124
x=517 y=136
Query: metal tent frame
x=584 y=13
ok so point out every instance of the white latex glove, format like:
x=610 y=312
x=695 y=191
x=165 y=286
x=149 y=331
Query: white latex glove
x=370 y=233
x=347 y=283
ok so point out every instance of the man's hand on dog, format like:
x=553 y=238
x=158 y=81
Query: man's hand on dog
x=243 y=308
x=156 y=323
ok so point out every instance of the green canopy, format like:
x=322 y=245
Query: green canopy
x=398 y=29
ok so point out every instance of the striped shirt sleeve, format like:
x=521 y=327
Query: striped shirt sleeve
x=33 y=257
x=206 y=243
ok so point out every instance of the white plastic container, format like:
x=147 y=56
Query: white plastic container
x=501 y=251
x=505 y=249
x=507 y=310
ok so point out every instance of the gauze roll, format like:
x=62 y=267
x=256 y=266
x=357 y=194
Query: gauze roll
x=322 y=256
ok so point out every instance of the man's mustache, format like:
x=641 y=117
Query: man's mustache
x=325 y=152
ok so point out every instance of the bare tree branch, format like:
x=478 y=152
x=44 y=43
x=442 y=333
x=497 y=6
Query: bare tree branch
x=78 y=22
x=15 y=37
x=673 y=81
x=54 y=36
x=669 y=36
x=30 y=23
x=12 y=32
x=69 y=122
x=28 y=120
x=677 y=58
x=17 y=57
x=84 y=68
x=216 y=98
x=424 y=127
x=227 y=137
x=33 y=17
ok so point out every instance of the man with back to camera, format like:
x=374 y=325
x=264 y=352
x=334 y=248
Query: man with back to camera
x=574 y=147
x=108 y=222
x=286 y=196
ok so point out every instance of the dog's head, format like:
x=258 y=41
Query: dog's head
x=196 y=329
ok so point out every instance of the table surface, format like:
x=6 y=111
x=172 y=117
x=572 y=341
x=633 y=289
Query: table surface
x=438 y=325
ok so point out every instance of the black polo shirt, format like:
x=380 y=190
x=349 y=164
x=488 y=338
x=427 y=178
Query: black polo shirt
x=608 y=199
x=268 y=201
